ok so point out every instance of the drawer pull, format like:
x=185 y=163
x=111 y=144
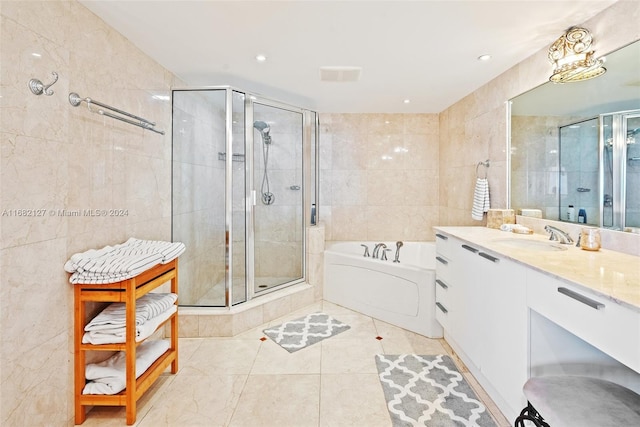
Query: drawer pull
x=470 y=248
x=442 y=260
x=579 y=297
x=441 y=307
x=489 y=257
x=442 y=284
x=441 y=236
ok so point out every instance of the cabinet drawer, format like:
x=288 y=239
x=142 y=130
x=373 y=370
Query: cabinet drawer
x=608 y=326
x=443 y=244
x=443 y=291
x=444 y=267
x=442 y=314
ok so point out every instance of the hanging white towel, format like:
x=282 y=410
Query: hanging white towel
x=481 y=203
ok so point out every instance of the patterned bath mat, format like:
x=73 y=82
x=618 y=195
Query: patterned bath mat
x=300 y=333
x=429 y=391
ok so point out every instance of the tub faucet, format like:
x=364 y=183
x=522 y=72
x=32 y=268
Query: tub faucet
x=384 y=254
x=398 y=246
x=366 y=250
x=376 y=249
x=558 y=235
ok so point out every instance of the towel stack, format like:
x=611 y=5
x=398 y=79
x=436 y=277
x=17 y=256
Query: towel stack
x=113 y=264
x=109 y=377
x=110 y=325
x=481 y=203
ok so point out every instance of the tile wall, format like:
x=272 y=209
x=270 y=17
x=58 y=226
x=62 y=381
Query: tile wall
x=58 y=159
x=379 y=176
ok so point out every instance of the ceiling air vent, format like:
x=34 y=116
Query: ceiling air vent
x=340 y=74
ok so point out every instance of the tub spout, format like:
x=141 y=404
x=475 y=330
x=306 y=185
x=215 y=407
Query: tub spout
x=366 y=250
x=398 y=246
x=384 y=254
x=376 y=249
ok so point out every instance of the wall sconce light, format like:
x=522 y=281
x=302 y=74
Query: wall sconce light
x=572 y=57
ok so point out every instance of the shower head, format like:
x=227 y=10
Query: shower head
x=261 y=126
x=264 y=129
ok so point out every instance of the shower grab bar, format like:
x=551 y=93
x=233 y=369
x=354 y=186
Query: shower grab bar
x=76 y=100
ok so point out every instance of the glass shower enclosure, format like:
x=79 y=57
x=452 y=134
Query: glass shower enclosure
x=242 y=193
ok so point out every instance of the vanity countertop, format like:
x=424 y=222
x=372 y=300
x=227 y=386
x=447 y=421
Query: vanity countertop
x=607 y=273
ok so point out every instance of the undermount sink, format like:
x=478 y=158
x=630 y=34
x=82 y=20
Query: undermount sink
x=533 y=245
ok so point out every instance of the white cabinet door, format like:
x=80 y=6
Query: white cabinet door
x=488 y=318
x=505 y=344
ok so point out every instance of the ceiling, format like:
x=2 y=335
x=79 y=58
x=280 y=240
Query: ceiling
x=423 y=51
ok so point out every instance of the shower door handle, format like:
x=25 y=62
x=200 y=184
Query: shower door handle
x=254 y=198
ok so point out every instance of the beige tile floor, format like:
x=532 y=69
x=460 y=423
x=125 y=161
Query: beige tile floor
x=245 y=382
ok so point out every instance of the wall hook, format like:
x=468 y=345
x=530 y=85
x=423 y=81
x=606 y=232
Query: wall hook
x=38 y=88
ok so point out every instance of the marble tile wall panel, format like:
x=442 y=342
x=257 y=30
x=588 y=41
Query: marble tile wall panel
x=379 y=176
x=62 y=161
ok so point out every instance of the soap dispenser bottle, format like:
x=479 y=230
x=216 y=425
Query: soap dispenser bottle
x=582 y=216
x=571 y=214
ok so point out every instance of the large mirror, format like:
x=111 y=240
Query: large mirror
x=575 y=147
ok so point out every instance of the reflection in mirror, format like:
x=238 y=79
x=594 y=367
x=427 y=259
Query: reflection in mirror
x=559 y=155
x=578 y=174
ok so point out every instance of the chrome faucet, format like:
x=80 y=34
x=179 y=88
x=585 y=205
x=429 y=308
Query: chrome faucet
x=558 y=235
x=398 y=246
x=384 y=254
x=376 y=249
x=366 y=250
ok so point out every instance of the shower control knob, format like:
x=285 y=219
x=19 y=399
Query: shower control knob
x=268 y=198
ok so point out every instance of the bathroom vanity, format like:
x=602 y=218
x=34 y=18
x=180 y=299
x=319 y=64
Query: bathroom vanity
x=516 y=306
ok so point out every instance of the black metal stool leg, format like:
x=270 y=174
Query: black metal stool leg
x=529 y=413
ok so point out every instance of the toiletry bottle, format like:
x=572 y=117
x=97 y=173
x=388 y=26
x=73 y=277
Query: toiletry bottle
x=571 y=214
x=582 y=216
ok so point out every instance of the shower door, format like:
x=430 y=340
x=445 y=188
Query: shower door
x=632 y=171
x=278 y=220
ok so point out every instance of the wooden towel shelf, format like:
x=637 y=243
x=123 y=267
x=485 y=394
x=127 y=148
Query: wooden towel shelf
x=126 y=291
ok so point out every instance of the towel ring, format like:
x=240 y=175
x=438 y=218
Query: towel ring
x=486 y=166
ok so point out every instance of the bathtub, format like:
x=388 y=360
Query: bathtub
x=402 y=294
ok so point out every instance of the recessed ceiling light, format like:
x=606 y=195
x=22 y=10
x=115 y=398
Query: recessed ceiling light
x=37 y=55
x=261 y=58
x=484 y=57
x=406 y=101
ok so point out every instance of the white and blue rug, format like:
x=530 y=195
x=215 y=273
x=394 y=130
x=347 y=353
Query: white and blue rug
x=300 y=333
x=429 y=391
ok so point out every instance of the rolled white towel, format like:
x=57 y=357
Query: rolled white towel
x=109 y=376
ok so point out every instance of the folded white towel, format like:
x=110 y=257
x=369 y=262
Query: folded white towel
x=120 y=262
x=147 y=307
x=118 y=334
x=109 y=376
x=481 y=203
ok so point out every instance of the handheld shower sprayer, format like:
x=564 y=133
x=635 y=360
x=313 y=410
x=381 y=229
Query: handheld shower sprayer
x=398 y=246
x=267 y=196
x=264 y=130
